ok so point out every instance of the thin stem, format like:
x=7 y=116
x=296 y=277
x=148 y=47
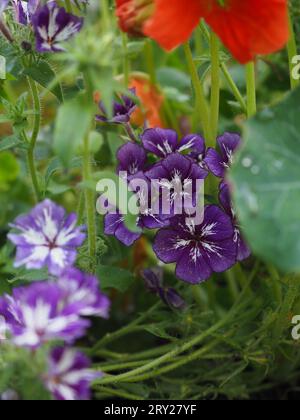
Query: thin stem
x=201 y=104
x=149 y=56
x=34 y=136
x=90 y=205
x=68 y=5
x=215 y=84
x=292 y=52
x=103 y=391
x=235 y=90
x=251 y=89
x=105 y=13
x=126 y=64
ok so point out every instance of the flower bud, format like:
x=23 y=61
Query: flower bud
x=132 y=15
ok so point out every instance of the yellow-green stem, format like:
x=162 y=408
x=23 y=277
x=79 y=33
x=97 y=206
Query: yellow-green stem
x=34 y=136
x=201 y=104
x=292 y=52
x=251 y=89
x=126 y=64
x=215 y=84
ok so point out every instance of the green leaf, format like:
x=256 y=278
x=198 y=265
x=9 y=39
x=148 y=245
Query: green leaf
x=267 y=183
x=9 y=169
x=9 y=143
x=115 y=278
x=43 y=73
x=72 y=123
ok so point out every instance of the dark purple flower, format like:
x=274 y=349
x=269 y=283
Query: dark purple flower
x=154 y=283
x=198 y=250
x=163 y=142
x=53 y=26
x=122 y=110
x=243 y=251
x=24 y=10
x=35 y=315
x=114 y=225
x=132 y=159
x=47 y=238
x=217 y=162
x=178 y=178
x=82 y=294
x=69 y=375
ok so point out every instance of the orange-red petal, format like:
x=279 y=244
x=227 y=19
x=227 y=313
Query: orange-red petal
x=249 y=27
x=173 y=21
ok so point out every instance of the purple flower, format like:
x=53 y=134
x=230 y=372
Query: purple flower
x=122 y=110
x=47 y=238
x=198 y=250
x=132 y=159
x=163 y=142
x=35 y=315
x=219 y=162
x=24 y=10
x=243 y=251
x=177 y=176
x=69 y=375
x=154 y=283
x=53 y=26
x=82 y=294
x=114 y=225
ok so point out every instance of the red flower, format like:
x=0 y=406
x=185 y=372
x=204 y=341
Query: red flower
x=132 y=14
x=246 y=27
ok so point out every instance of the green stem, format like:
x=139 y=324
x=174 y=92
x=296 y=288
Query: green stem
x=104 y=391
x=149 y=56
x=251 y=89
x=292 y=52
x=132 y=327
x=105 y=13
x=34 y=136
x=68 y=5
x=126 y=64
x=215 y=84
x=235 y=90
x=201 y=104
x=90 y=205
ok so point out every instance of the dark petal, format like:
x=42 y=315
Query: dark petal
x=197 y=172
x=160 y=141
x=132 y=158
x=154 y=221
x=192 y=267
x=228 y=144
x=243 y=250
x=125 y=235
x=220 y=255
x=111 y=223
x=177 y=163
x=173 y=299
x=157 y=172
x=215 y=163
x=169 y=245
x=216 y=226
x=193 y=145
x=225 y=198
x=152 y=282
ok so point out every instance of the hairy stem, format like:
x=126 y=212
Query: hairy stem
x=292 y=52
x=251 y=89
x=215 y=84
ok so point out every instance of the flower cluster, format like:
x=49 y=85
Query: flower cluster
x=51 y=24
x=197 y=249
x=56 y=309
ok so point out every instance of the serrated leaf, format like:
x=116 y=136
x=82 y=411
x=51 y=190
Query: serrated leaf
x=115 y=278
x=43 y=73
x=72 y=124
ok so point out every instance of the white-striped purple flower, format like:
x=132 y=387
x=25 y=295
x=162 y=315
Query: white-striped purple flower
x=243 y=250
x=82 y=294
x=53 y=26
x=24 y=10
x=198 y=250
x=47 y=238
x=69 y=375
x=217 y=162
x=37 y=314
